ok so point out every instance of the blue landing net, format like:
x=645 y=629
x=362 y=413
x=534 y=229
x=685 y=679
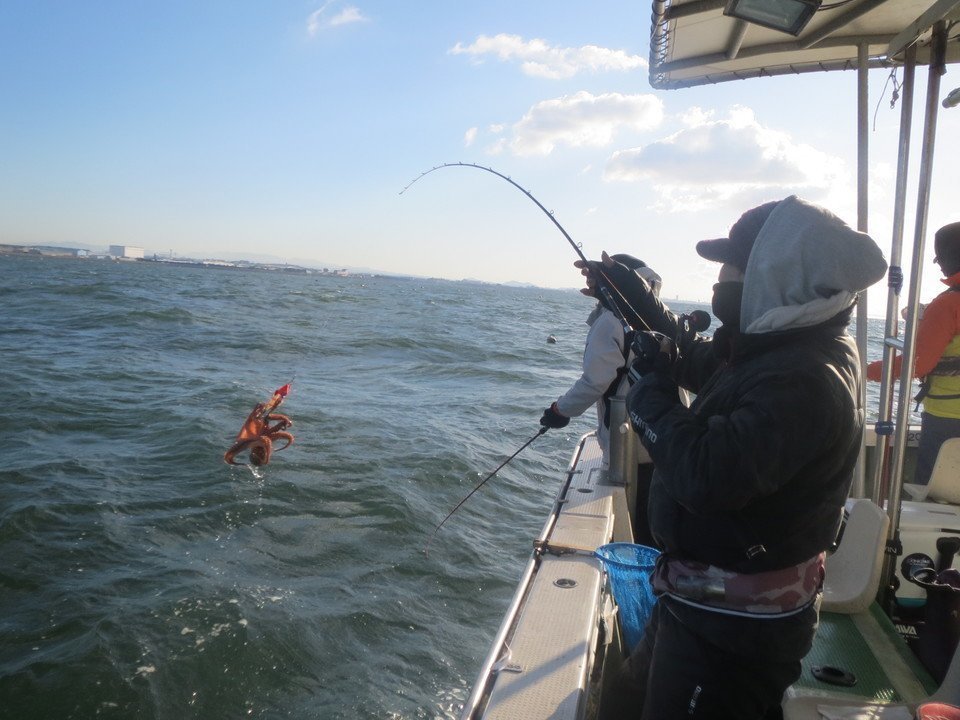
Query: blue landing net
x=629 y=567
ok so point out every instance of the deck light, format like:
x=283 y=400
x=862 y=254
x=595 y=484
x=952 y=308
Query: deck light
x=789 y=16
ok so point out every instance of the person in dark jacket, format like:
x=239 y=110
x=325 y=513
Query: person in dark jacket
x=751 y=478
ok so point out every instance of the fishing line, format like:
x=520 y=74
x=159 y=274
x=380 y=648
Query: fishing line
x=603 y=287
x=426 y=548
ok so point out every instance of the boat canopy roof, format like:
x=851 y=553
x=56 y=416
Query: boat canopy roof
x=694 y=43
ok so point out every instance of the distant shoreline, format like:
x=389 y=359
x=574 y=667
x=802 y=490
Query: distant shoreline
x=69 y=253
x=72 y=253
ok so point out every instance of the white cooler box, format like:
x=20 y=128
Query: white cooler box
x=921 y=525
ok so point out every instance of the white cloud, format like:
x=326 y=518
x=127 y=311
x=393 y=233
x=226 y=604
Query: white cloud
x=346 y=16
x=497 y=147
x=469 y=136
x=327 y=17
x=694 y=116
x=583 y=120
x=539 y=59
x=716 y=162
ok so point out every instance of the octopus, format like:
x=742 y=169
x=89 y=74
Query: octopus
x=258 y=434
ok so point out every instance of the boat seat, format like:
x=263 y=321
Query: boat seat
x=890 y=682
x=853 y=571
x=944 y=485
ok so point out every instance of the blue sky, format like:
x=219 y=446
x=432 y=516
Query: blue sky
x=239 y=129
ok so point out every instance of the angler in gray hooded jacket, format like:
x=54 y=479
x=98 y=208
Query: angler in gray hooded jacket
x=751 y=479
x=606 y=358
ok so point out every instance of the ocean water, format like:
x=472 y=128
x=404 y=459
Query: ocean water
x=141 y=577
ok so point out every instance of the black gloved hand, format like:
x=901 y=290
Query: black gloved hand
x=553 y=419
x=649 y=400
x=653 y=352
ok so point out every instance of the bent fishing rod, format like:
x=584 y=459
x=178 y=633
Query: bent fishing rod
x=426 y=549
x=604 y=283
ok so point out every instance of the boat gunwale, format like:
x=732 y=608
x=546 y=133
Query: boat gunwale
x=486 y=675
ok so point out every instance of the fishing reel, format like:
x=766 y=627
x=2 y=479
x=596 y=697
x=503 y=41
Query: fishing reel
x=653 y=352
x=656 y=352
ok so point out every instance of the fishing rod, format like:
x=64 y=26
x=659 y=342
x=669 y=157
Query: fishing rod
x=604 y=283
x=426 y=549
x=603 y=286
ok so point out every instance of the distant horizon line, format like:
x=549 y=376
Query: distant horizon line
x=328 y=269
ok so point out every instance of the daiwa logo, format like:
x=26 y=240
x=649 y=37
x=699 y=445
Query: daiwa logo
x=907 y=631
x=638 y=423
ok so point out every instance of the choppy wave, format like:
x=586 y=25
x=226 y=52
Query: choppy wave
x=147 y=579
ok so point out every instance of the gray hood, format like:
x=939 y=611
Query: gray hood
x=806 y=266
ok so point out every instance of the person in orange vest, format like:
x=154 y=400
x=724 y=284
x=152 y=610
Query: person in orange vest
x=938 y=357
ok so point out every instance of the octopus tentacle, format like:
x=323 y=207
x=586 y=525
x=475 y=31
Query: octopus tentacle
x=236 y=448
x=283 y=422
x=280 y=435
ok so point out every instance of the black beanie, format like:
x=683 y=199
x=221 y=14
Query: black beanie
x=946 y=244
x=629 y=260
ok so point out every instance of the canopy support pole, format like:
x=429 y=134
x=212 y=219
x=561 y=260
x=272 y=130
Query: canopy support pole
x=937 y=68
x=884 y=426
x=858 y=488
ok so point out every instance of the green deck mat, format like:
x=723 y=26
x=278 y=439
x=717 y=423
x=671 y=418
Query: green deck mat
x=840 y=644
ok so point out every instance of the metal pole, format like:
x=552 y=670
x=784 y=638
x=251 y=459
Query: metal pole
x=884 y=427
x=937 y=52
x=863 y=168
x=622 y=455
x=622 y=450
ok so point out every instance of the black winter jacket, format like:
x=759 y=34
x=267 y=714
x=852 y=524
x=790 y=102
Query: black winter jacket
x=753 y=475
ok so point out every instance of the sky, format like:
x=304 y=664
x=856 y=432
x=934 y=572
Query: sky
x=287 y=129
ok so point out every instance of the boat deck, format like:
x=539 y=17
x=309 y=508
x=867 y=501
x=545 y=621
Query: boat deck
x=549 y=653
x=867 y=646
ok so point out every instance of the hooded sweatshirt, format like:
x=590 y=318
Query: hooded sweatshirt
x=805 y=267
x=752 y=476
